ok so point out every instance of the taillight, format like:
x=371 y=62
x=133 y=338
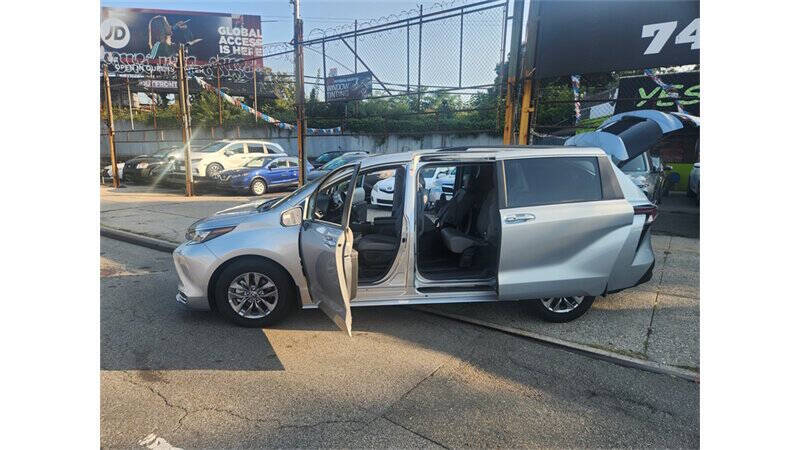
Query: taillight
x=650 y=210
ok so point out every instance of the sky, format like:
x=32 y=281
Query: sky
x=315 y=13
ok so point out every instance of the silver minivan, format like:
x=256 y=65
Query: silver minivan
x=553 y=226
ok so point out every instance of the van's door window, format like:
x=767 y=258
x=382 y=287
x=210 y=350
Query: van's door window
x=544 y=181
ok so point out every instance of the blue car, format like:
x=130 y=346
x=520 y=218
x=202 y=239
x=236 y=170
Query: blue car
x=261 y=174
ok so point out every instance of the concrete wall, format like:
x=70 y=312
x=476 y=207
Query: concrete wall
x=137 y=142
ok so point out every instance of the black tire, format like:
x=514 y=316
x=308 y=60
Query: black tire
x=537 y=308
x=214 y=169
x=286 y=301
x=258 y=187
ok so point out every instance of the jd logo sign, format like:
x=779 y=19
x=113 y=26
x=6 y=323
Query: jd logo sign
x=114 y=33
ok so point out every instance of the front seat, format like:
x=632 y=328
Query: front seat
x=485 y=232
x=375 y=249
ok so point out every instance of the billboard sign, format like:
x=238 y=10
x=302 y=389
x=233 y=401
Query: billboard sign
x=144 y=42
x=348 y=87
x=643 y=93
x=578 y=36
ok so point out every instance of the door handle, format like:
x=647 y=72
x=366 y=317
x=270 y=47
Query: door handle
x=519 y=218
x=330 y=242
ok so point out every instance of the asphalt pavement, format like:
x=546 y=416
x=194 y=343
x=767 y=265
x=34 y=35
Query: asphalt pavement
x=405 y=379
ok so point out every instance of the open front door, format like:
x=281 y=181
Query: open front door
x=326 y=246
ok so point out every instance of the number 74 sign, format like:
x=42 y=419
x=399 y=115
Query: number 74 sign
x=662 y=32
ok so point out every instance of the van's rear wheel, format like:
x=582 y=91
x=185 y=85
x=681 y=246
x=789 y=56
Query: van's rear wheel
x=254 y=292
x=560 y=309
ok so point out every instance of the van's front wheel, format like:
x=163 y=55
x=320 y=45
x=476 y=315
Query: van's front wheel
x=560 y=309
x=254 y=293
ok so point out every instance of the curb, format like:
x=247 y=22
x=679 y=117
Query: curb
x=586 y=350
x=137 y=239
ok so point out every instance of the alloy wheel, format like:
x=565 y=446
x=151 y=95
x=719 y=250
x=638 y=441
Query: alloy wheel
x=562 y=304
x=259 y=188
x=252 y=295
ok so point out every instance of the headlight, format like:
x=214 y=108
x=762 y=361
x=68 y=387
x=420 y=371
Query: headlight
x=198 y=236
x=142 y=165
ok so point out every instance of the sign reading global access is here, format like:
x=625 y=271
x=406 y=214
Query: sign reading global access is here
x=144 y=42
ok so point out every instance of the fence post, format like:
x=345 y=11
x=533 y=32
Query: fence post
x=461 y=47
x=419 y=62
x=111 y=149
x=355 y=46
x=219 y=97
x=324 y=71
x=130 y=101
x=155 y=121
x=408 y=56
x=255 y=92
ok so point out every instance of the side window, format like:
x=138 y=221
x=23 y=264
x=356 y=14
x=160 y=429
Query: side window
x=273 y=148
x=292 y=163
x=237 y=149
x=255 y=148
x=328 y=203
x=546 y=181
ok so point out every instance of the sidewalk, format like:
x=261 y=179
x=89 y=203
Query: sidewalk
x=657 y=321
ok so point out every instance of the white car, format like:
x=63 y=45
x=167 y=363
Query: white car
x=106 y=172
x=226 y=154
x=439 y=180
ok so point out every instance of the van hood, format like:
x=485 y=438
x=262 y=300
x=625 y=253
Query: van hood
x=232 y=216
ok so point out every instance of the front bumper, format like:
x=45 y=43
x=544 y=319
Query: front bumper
x=380 y=198
x=194 y=264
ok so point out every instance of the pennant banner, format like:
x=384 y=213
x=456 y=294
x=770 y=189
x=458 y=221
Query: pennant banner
x=576 y=94
x=261 y=116
x=670 y=90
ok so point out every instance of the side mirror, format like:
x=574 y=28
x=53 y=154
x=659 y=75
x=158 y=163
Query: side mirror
x=292 y=217
x=667 y=168
x=228 y=153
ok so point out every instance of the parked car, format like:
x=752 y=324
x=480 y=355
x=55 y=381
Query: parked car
x=693 y=190
x=639 y=131
x=334 y=164
x=144 y=168
x=105 y=172
x=324 y=158
x=438 y=184
x=554 y=226
x=647 y=173
x=217 y=156
x=261 y=174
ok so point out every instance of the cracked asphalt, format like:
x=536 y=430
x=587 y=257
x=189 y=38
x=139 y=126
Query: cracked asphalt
x=405 y=379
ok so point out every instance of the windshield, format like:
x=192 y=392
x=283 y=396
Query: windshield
x=212 y=147
x=340 y=161
x=325 y=157
x=635 y=165
x=295 y=197
x=161 y=154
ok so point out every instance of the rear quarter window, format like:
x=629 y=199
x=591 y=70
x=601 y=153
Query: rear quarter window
x=548 y=181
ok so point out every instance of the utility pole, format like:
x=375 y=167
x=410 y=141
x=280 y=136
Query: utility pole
x=130 y=102
x=183 y=98
x=111 y=148
x=513 y=71
x=300 y=95
x=530 y=87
